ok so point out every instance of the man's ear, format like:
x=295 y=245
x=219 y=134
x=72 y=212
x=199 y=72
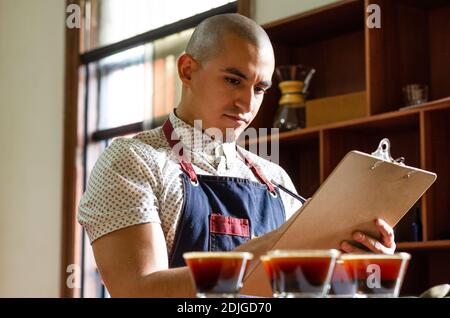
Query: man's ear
x=187 y=65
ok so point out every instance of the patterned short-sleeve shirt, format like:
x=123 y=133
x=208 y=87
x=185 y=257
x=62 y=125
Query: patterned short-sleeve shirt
x=138 y=180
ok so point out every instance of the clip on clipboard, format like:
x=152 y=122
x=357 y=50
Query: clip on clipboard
x=360 y=189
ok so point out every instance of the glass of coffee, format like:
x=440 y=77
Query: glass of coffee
x=300 y=273
x=218 y=274
x=376 y=275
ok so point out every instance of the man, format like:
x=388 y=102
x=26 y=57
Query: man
x=149 y=200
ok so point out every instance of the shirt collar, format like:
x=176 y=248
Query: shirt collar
x=198 y=142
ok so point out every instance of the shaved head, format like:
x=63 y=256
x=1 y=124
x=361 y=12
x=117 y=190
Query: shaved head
x=207 y=40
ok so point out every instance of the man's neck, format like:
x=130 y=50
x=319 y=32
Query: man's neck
x=182 y=113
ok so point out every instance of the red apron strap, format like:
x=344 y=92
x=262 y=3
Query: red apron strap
x=186 y=166
x=257 y=172
x=168 y=131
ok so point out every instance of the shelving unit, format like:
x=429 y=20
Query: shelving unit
x=412 y=45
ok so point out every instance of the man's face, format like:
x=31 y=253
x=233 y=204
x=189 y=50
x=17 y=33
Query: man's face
x=228 y=90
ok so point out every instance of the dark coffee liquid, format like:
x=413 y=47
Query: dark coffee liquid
x=268 y=268
x=298 y=275
x=217 y=275
x=371 y=281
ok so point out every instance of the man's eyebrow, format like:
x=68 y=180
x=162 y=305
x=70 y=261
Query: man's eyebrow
x=237 y=72
x=267 y=84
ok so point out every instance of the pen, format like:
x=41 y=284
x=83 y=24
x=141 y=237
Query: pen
x=296 y=196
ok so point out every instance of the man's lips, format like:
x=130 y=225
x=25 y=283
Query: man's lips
x=237 y=118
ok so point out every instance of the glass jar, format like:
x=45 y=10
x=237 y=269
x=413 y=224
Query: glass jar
x=294 y=82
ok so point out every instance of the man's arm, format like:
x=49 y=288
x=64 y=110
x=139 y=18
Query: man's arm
x=133 y=262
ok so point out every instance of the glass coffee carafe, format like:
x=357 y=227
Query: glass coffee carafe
x=294 y=83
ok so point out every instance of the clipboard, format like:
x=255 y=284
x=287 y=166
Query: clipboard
x=360 y=189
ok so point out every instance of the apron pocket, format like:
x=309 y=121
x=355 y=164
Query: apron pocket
x=227 y=232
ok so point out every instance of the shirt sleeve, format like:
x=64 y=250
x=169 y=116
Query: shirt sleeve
x=120 y=191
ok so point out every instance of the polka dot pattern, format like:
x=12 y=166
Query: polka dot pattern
x=138 y=180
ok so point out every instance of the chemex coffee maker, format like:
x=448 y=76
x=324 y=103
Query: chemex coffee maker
x=294 y=83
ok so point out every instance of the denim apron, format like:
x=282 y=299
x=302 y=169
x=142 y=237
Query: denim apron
x=220 y=213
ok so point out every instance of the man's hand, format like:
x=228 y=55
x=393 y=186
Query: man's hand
x=387 y=246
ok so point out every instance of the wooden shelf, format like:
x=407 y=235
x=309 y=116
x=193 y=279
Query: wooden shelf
x=324 y=22
x=427 y=245
x=410 y=47
x=397 y=118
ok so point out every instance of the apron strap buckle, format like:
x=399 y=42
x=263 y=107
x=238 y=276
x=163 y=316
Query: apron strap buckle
x=258 y=173
x=189 y=170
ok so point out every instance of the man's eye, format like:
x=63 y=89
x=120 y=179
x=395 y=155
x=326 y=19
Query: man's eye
x=232 y=81
x=260 y=90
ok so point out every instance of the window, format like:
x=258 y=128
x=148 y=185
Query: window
x=110 y=21
x=127 y=82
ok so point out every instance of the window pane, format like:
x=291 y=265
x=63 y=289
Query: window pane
x=138 y=84
x=166 y=84
x=124 y=87
x=92 y=283
x=110 y=21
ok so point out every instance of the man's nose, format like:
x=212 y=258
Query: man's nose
x=246 y=100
